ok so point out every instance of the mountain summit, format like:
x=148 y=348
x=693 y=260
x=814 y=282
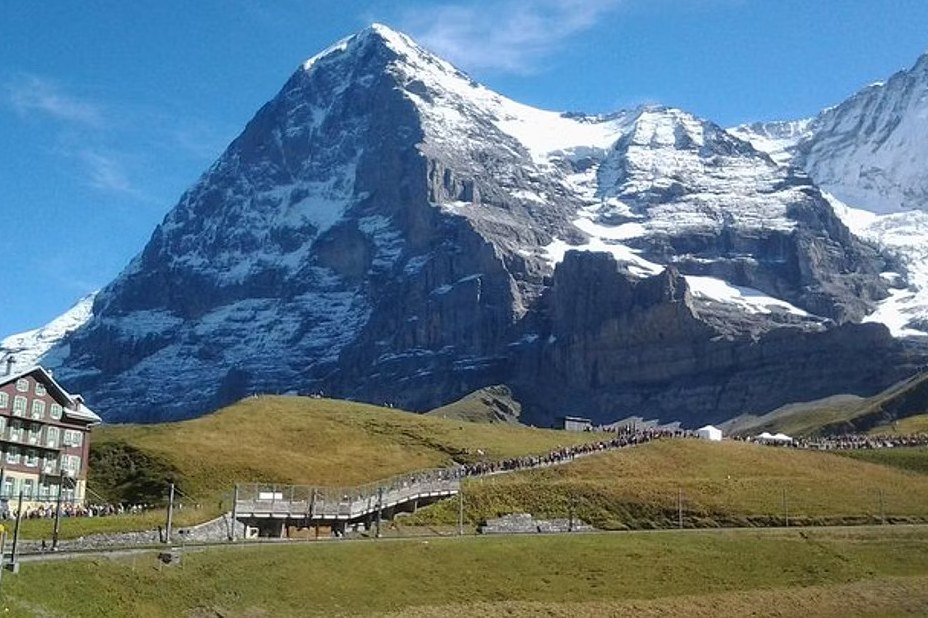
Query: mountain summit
x=387 y=229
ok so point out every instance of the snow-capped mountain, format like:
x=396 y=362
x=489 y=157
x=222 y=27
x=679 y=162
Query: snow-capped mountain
x=868 y=151
x=869 y=154
x=387 y=229
x=27 y=348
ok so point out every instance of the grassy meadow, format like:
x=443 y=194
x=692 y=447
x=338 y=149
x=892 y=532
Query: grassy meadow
x=294 y=440
x=824 y=572
x=913 y=458
x=905 y=403
x=903 y=426
x=284 y=440
x=719 y=484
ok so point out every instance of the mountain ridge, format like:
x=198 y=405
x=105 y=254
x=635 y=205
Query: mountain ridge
x=387 y=229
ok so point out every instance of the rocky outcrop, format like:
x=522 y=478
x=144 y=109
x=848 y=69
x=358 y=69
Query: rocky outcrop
x=621 y=347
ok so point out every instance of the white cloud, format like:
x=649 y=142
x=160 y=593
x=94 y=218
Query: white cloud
x=506 y=35
x=105 y=172
x=32 y=94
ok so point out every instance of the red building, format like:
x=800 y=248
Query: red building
x=44 y=439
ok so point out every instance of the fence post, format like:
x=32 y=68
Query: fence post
x=680 y=508
x=882 y=509
x=170 y=521
x=785 y=508
x=379 y=508
x=234 y=512
x=460 y=509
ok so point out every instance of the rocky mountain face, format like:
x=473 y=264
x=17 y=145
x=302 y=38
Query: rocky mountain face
x=388 y=230
x=868 y=155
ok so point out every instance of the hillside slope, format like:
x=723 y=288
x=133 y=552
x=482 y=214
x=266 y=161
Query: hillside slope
x=493 y=404
x=841 y=414
x=727 y=483
x=300 y=440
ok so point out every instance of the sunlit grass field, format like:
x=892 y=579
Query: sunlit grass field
x=875 y=571
x=727 y=483
x=325 y=442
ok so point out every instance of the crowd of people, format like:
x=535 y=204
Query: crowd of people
x=862 y=441
x=69 y=509
x=564 y=454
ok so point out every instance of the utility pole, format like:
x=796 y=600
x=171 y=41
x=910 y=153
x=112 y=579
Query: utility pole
x=14 y=566
x=785 y=508
x=57 y=530
x=680 y=508
x=460 y=509
x=379 y=508
x=882 y=509
x=570 y=513
x=170 y=522
x=234 y=513
x=2 y=546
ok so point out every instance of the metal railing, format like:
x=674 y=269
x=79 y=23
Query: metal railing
x=344 y=503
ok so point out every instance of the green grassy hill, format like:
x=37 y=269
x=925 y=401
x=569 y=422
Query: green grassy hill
x=296 y=440
x=493 y=404
x=903 y=427
x=842 y=413
x=727 y=483
x=905 y=458
x=293 y=440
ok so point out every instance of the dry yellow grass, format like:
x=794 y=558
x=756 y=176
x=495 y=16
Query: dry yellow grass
x=878 y=570
x=298 y=440
x=903 y=427
x=878 y=597
x=728 y=483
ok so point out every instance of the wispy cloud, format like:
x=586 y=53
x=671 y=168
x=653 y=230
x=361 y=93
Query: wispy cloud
x=32 y=94
x=109 y=146
x=505 y=35
x=104 y=172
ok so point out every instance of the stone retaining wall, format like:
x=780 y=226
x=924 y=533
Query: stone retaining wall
x=524 y=523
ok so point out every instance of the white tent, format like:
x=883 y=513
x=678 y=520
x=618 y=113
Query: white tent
x=709 y=433
x=769 y=437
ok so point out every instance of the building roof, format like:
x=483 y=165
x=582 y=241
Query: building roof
x=77 y=409
x=83 y=413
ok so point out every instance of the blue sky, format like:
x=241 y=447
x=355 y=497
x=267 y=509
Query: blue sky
x=109 y=110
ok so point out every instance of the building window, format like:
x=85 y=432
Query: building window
x=22 y=385
x=9 y=487
x=40 y=389
x=28 y=487
x=51 y=437
x=38 y=408
x=34 y=434
x=71 y=464
x=19 y=405
x=16 y=431
x=12 y=455
x=2 y=424
x=4 y=400
x=56 y=411
x=50 y=465
x=44 y=491
x=73 y=438
x=31 y=459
